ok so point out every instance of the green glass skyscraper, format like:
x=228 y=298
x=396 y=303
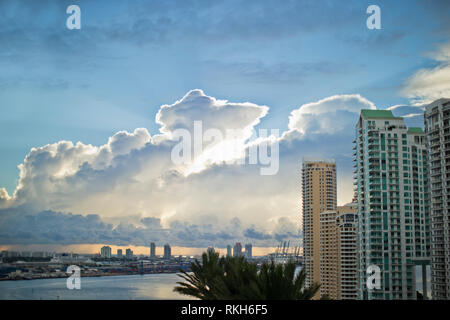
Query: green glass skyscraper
x=393 y=206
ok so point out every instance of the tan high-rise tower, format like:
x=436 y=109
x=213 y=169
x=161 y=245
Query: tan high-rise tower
x=338 y=253
x=318 y=195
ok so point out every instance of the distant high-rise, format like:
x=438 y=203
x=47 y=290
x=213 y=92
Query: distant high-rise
x=152 y=250
x=105 y=252
x=393 y=206
x=237 y=250
x=229 y=251
x=167 y=251
x=119 y=253
x=248 y=250
x=437 y=128
x=129 y=253
x=318 y=195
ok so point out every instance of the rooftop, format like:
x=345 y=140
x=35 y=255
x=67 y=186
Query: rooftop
x=377 y=114
x=415 y=130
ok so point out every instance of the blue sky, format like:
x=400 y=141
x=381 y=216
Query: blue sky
x=129 y=58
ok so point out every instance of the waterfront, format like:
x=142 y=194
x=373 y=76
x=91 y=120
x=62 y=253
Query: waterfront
x=127 y=287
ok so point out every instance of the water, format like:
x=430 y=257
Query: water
x=130 y=287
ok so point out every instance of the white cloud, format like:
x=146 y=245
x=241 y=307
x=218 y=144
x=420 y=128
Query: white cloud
x=214 y=113
x=429 y=84
x=329 y=115
x=123 y=142
x=4 y=198
x=131 y=181
x=233 y=121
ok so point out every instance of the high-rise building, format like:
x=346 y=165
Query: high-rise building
x=119 y=253
x=129 y=253
x=393 y=211
x=105 y=252
x=338 y=254
x=248 y=250
x=152 y=250
x=328 y=257
x=347 y=252
x=437 y=128
x=167 y=251
x=229 y=251
x=237 y=250
x=318 y=195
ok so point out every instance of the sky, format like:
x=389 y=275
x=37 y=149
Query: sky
x=87 y=116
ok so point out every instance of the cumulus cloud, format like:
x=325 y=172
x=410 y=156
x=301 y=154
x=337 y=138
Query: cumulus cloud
x=123 y=142
x=214 y=113
x=429 y=84
x=4 y=197
x=128 y=191
x=329 y=115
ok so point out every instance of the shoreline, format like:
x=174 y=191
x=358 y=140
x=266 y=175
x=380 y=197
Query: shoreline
x=87 y=276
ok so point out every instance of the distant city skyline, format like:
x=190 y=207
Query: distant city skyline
x=137 y=250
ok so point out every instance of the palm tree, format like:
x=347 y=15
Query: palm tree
x=202 y=281
x=279 y=282
x=236 y=278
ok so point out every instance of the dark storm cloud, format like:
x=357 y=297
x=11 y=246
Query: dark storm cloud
x=255 y=234
x=21 y=225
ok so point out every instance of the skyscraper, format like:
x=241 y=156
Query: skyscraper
x=393 y=211
x=248 y=250
x=237 y=250
x=167 y=251
x=129 y=253
x=347 y=248
x=437 y=128
x=105 y=252
x=229 y=251
x=318 y=195
x=119 y=253
x=328 y=257
x=152 y=250
x=338 y=254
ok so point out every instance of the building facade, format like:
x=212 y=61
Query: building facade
x=328 y=262
x=338 y=253
x=105 y=252
x=318 y=195
x=347 y=248
x=393 y=210
x=152 y=250
x=237 y=250
x=437 y=128
x=119 y=253
x=229 y=251
x=248 y=250
x=167 y=251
